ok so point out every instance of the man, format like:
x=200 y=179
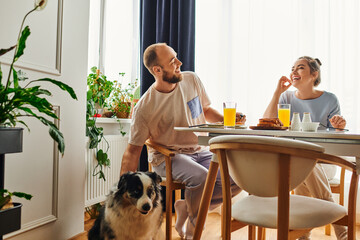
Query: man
x=175 y=99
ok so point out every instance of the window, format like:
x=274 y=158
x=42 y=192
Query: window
x=114 y=38
x=253 y=43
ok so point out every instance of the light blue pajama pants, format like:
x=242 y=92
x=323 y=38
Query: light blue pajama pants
x=192 y=170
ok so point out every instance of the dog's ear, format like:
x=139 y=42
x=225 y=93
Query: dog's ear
x=154 y=176
x=122 y=184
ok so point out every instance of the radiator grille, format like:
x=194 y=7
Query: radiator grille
x=96 y=189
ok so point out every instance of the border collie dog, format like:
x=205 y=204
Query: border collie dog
x=132 y=210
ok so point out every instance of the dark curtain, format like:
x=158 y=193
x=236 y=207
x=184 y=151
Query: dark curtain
x=172 y=22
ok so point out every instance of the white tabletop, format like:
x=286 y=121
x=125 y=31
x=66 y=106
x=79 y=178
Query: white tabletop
x=320 y=135
x=337 y=143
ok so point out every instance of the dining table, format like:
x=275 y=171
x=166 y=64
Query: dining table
x=340 y=143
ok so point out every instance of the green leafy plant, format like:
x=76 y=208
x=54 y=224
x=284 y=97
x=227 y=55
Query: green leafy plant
x=21 y=98
x=121 y=97
x=98 y=91
x=6 y=197
x=99 y=88
x=94 y=210
x=121 y=128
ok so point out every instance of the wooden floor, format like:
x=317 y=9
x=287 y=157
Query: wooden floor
x=212 y=231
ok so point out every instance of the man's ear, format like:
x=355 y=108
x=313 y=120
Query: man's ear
x=156 y=69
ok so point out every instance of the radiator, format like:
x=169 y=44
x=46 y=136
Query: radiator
x=96 y=189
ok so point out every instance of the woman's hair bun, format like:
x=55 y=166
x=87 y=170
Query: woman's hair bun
x=318 y=61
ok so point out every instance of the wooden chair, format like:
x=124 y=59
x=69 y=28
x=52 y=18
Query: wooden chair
x=337 y=186
x=168 y=183
x=268 y=169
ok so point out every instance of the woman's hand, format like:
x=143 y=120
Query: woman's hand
x=283 y=85
x=240 y=118
x=338 y=122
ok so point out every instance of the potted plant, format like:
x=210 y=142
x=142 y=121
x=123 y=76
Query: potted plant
x=6 y=198
x=21 y=98
x=99 y=89
x=121 y=98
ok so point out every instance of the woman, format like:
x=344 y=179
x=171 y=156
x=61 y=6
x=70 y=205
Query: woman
x=323 y=107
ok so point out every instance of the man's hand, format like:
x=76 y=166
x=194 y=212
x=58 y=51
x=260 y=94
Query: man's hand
x=240 y=118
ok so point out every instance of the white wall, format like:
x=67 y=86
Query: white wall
x=57 y=183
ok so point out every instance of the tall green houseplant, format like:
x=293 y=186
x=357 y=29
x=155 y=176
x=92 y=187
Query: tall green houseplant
x=21 y=98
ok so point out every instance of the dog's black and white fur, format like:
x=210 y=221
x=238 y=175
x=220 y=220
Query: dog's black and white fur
x=132 y=210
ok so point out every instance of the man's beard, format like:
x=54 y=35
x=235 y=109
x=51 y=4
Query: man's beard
x=173 y=79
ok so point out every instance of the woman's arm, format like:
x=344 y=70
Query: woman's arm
x=271 y=110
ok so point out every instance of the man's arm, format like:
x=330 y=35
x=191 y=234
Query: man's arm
x=212 y=115
x=130 y=158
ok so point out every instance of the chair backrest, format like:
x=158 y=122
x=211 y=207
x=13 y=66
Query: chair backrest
x=253 y=161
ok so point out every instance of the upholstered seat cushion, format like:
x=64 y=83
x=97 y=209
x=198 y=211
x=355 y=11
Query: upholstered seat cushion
x=305 y=212
x=268 y=141
x=334 y=182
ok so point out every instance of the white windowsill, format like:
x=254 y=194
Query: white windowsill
x=112 y=120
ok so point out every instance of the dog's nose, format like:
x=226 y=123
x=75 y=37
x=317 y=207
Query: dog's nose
x=146 y=207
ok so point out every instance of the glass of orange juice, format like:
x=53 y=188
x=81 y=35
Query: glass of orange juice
x=229 y=114
x=284 y=114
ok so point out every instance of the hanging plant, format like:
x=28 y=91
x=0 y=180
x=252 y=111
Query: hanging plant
x=99 y=89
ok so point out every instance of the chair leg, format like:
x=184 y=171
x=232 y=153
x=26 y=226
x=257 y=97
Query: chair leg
x=177 y=197
x=341 y=198
x=261 y=233
x=205 y=199
x=252 y=232
x=328 y=230
x=168 y=213
x=352 y=206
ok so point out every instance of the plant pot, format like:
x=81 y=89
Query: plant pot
x=11 y=140
x=124 y=110
x=107 y=113
x=98 y=109
x=10 y=219
x=122 y=114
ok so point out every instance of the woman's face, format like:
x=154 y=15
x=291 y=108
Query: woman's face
x=300 y=74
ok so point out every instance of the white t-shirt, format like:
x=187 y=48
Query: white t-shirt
x=156 y=114
x=321 y=109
